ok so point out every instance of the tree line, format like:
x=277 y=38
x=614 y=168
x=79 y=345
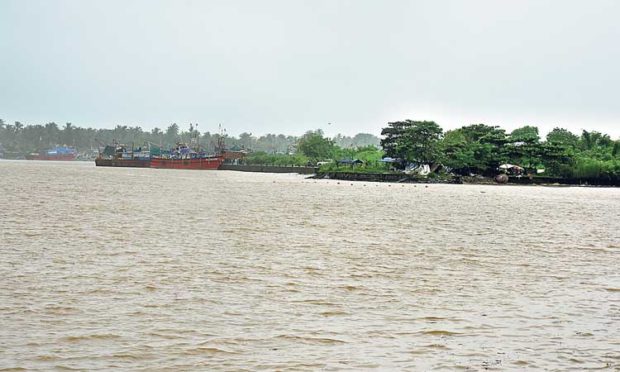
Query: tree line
x=481 y=149
x=22 y=139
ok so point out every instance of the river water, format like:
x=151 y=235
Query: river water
x=214 y=270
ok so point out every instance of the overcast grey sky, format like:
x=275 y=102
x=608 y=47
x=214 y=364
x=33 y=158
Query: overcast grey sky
x=291 y=65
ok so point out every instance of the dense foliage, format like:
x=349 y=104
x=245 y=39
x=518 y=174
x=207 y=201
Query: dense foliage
x=481 y=149
x=264 y=158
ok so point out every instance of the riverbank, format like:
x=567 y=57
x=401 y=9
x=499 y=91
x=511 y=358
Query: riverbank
x=385 y=177
x=450 y=179
x=269 y=168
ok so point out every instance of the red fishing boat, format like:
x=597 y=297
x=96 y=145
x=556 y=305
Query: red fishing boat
x=185 y=157
x=212 y=162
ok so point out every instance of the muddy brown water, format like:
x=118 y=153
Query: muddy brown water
x=148 y=269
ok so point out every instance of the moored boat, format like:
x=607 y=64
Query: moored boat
x=117 y=155
x=192 y=163
x=133 y=163
x=184 y=157
x=62 y=153
x=181 y=156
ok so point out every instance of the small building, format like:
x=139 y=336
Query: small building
x=350 y=162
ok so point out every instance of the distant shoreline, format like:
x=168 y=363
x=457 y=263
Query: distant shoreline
x=314 y=173
x=460 y=180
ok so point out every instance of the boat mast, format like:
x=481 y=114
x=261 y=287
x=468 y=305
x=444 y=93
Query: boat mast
x=197 y=139
x=220 y=141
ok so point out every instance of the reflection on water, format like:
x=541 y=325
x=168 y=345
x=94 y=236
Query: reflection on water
x=145 y=268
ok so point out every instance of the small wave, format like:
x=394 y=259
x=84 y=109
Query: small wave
x=207 y=350
x=352 y=288
x=65 y=368
x=61 y=310
x=316 y=302
x=46 y=358
x=99 y=290
x=164 y=335
x=103 y=336
x=361 y=275
x=432 y=318
x=307 y=366
x=153 y=305
x=130 y=356
x=612 y=289
x=312 y=340
x=584 y=334
x=440 y=333
x=334 y=313
x=437 y=346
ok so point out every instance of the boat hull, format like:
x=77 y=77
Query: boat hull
x=200 y=163
x=131 y=163
x=63 y=157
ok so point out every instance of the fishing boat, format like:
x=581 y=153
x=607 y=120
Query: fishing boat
x=63 y=153
x=118 y=155
x=181 y=156
x=184 y=157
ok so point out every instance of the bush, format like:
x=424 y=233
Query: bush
x=263 y=158
x=587 y=168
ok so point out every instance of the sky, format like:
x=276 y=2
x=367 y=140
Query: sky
x=343 y=66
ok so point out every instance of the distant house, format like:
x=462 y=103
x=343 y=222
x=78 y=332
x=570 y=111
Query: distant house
x=390 y=160
x=350 y=162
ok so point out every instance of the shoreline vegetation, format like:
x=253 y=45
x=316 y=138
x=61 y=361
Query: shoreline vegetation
x=408 y=151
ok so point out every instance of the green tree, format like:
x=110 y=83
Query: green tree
x=558 y=159
x=458 y=153
x=615 y=152
x=527 y=134
x=412 y=141
x=32 y=138
x=365 y=139
x=52 y=134
x=561 y=136
x=475 y=148
x=67 y=135
x=246 y=140
x=593 y=140
x=172 y=133
x=315 y=146
x=524 y=147
x=558 y=152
